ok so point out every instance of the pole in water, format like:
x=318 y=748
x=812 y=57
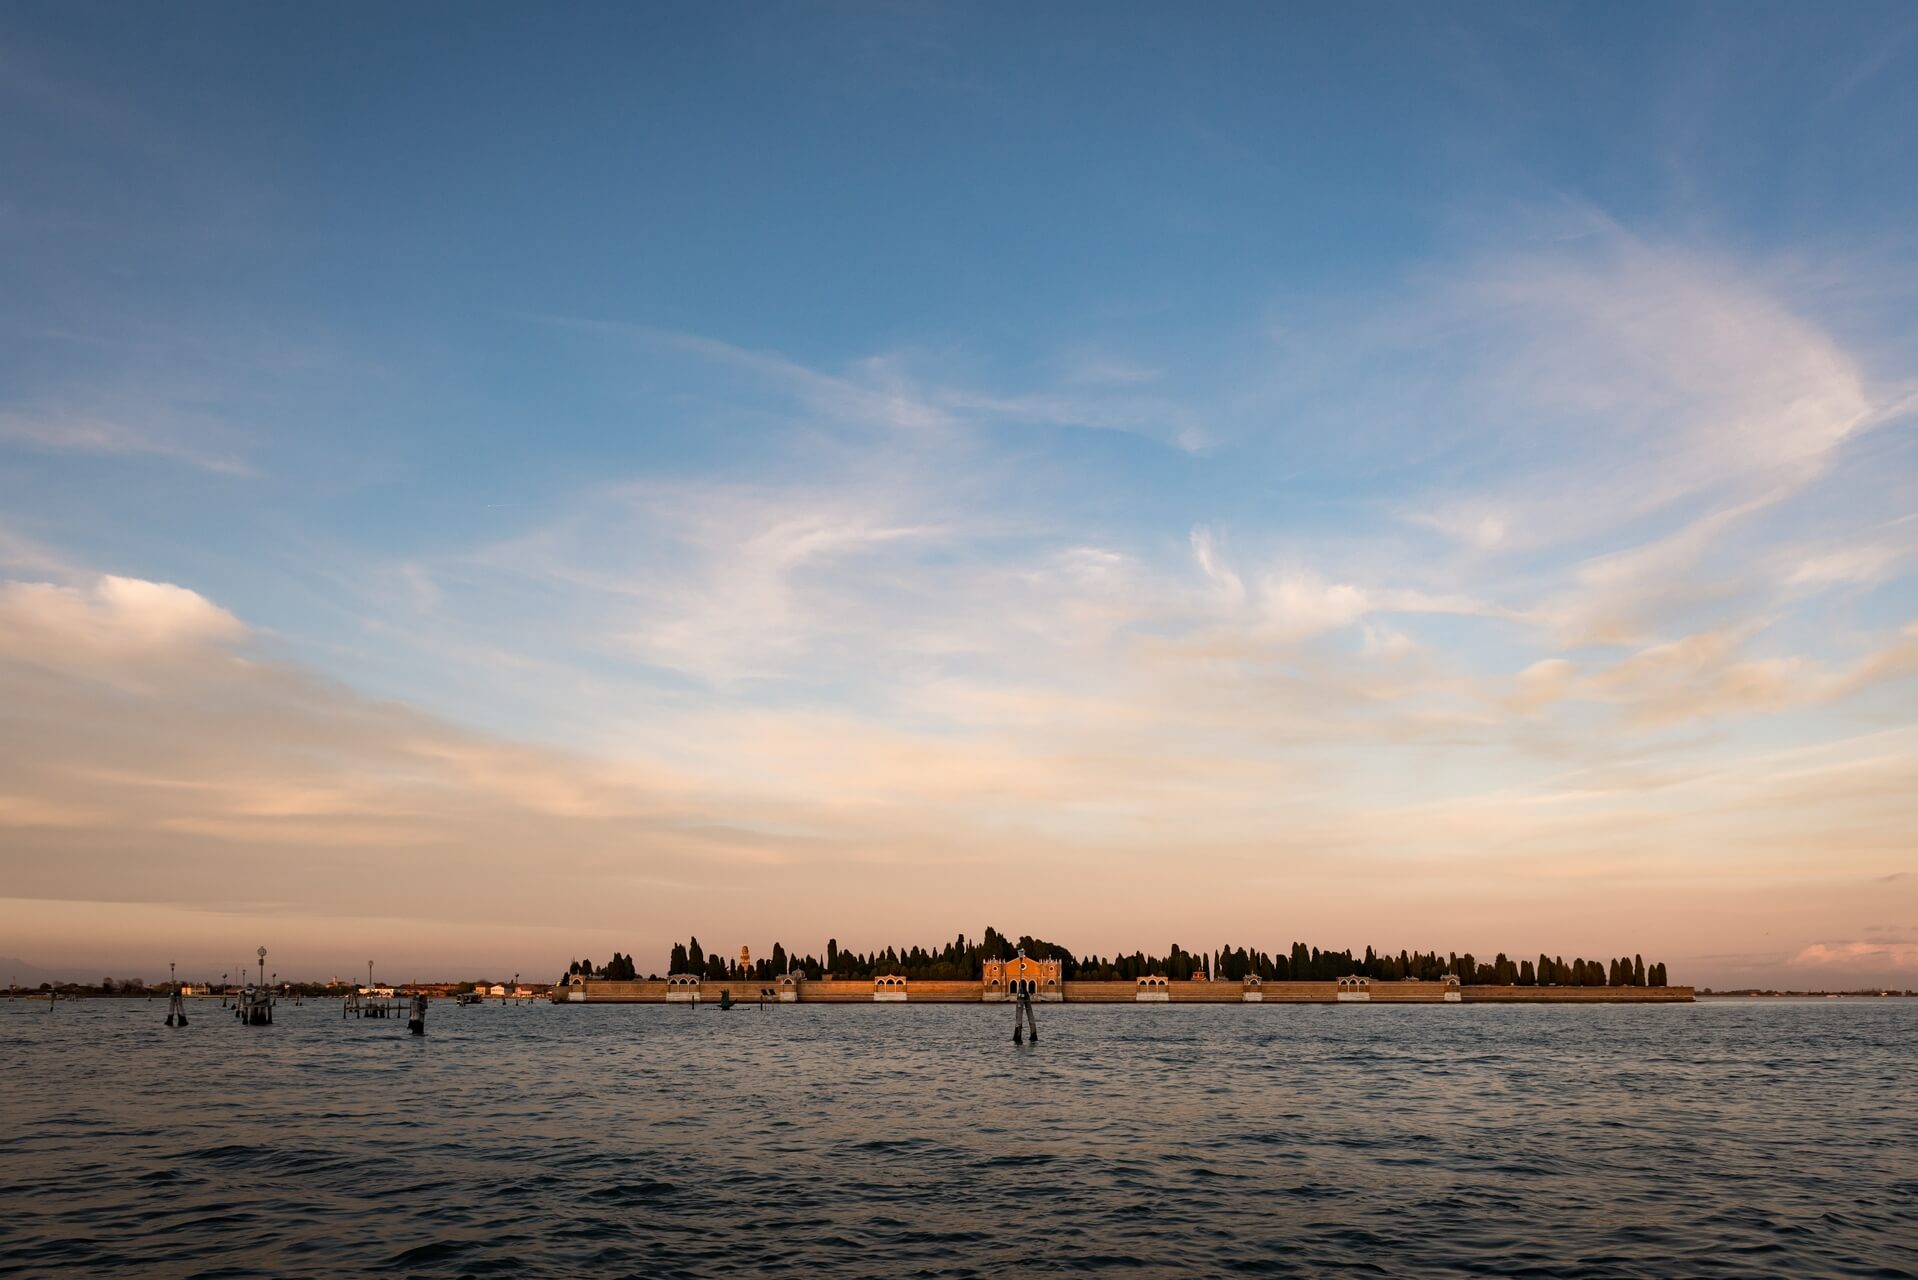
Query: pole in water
x=417 y=1023
x=175 y=1011
x=1023 y=1009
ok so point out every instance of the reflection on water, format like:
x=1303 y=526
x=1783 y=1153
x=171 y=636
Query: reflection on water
x=1715 y=1139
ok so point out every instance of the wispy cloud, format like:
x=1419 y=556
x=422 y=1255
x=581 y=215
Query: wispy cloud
x=1894 y=956
x=891 y=391
x=1620 y=382
x=104 y=438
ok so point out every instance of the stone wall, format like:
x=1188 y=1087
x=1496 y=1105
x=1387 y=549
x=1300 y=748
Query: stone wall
x=1578 y=995
x=646 y=991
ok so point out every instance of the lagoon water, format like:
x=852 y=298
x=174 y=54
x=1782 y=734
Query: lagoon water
x=1718 y=1139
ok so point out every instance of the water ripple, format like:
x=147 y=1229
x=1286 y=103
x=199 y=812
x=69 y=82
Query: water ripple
x=1763 y=1139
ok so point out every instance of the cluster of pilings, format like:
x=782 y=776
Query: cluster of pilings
x=253 y=1005
x=254 y=1008
x=371 y=1006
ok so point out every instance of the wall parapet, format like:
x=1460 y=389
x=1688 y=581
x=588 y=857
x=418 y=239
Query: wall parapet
x=791 y=989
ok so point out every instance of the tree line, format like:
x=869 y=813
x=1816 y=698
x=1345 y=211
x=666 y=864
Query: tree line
x=962 y=959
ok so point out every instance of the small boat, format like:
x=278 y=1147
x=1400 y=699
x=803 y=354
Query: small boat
x=467 y=997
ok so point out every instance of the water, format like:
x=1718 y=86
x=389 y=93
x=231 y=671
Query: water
x=1747 y=1139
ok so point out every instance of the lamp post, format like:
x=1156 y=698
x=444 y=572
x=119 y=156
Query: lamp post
x=262 y=966
x=369 y=977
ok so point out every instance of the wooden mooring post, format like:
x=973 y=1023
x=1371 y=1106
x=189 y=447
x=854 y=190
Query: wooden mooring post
x=175 y=1005
x=1024 y=1010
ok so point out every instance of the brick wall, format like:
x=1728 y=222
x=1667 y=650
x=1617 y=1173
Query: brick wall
x=645 y=991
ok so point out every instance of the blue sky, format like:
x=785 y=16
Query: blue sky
x=770 y=471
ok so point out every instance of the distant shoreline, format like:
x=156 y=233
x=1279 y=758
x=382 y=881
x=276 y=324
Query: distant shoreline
x=1705 y=993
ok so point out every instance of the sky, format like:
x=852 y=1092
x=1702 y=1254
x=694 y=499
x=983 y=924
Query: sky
x=486 y=485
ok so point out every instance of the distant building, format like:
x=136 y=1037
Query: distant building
x=1022 y=975
x=1152 y=987
x=745 y=959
